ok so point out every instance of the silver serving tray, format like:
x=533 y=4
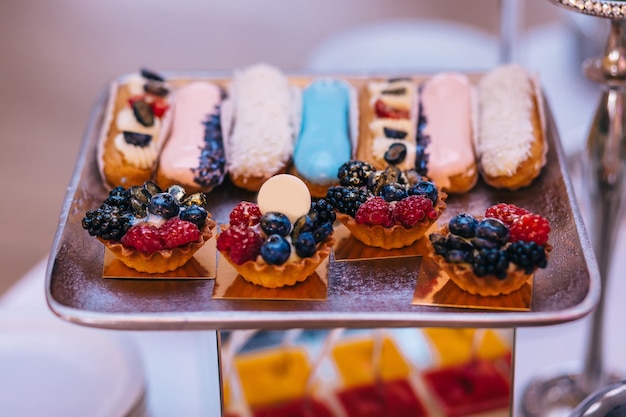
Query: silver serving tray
x=566 y=290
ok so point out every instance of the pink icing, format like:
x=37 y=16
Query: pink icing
x=192 y=105
x=447 y=104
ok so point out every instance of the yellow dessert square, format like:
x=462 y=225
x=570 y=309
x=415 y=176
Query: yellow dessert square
x=455 y=346
x=357 y=365
x=273 y=376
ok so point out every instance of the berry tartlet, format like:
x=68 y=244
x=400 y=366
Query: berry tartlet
x=151 y=230
x=495 y=254
x=387 y=209
x=269 y=248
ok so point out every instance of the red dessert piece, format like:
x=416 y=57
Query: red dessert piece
x=470 y=388
x=302 y=407
x=386 y=399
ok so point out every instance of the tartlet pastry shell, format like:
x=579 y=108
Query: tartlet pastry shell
x=161 y=261
x=290 y=273
x=393 y=237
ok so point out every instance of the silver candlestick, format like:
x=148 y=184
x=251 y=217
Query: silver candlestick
x=602 y=180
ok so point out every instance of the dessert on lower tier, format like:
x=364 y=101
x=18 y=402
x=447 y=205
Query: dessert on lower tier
x=469 y=388
x=495 y=254
x=137 y=120
x=324 y=142
x=193 y=155
x=511 y=146
x=386 y=209
x=151 y=230
x=447 y=131
x=388 y=118
x=282 y=239
x=261 y=125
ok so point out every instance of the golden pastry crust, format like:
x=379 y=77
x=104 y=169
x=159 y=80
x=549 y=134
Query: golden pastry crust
x=489 y=285
x=531 y=167
x=316 y=190
x=253 y=183
x=289 y=273
x=161 y=261
x=393 y=237
x=464 y=181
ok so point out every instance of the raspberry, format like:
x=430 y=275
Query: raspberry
x=176 y=232
x=507 y=213
x=375 y=211
x=413 y=209
x=530 y=228
x=245 y=214
x=242 y=243
x=385 y=111
x=144 y=238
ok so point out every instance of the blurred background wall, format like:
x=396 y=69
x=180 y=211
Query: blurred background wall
x=57 y=56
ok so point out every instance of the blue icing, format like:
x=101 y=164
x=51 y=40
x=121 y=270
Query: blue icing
x=324 y=141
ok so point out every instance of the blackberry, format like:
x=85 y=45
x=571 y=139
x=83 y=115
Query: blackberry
x=118 y=197
x=354 y=173
x=107 y=222
x=463 y=225
x=346 y=199
x=439 y=242
x=527 y=255
x=459 y=256
x=325 y=212
x=458 y=243
x=378 y=179
x=490 y=262
x=177 y=191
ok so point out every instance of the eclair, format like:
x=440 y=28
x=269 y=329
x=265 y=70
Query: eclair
x=137 y=120
x=259 y=137
x=193 y=155
x=447 y=129
x=325 y=140
x=511 y=146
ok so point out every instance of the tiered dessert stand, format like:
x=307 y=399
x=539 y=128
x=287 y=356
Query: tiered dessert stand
x=360 y=295
x=603 y=165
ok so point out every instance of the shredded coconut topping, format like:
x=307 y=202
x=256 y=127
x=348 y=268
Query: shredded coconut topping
x=505 y=129
x=263 y=135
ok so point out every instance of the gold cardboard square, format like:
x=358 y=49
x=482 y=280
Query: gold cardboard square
x=230 y=285
x=347 y=248
x=435 y=288
x=201 y=266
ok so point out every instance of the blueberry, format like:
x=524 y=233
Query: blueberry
x=395 y=154
x=439 y=242
x=275 y=250
x=493 y=230
x=303 y=224
x=194 y=214
x=463 y=225
x=275 y=223
x=322 y=232
x=164 y=205
x=305 y=245
x=137 y=139
x=393 y=192
x=427 y=189
x=394 y=133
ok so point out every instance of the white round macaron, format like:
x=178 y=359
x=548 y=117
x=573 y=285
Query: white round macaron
x=286 y=194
